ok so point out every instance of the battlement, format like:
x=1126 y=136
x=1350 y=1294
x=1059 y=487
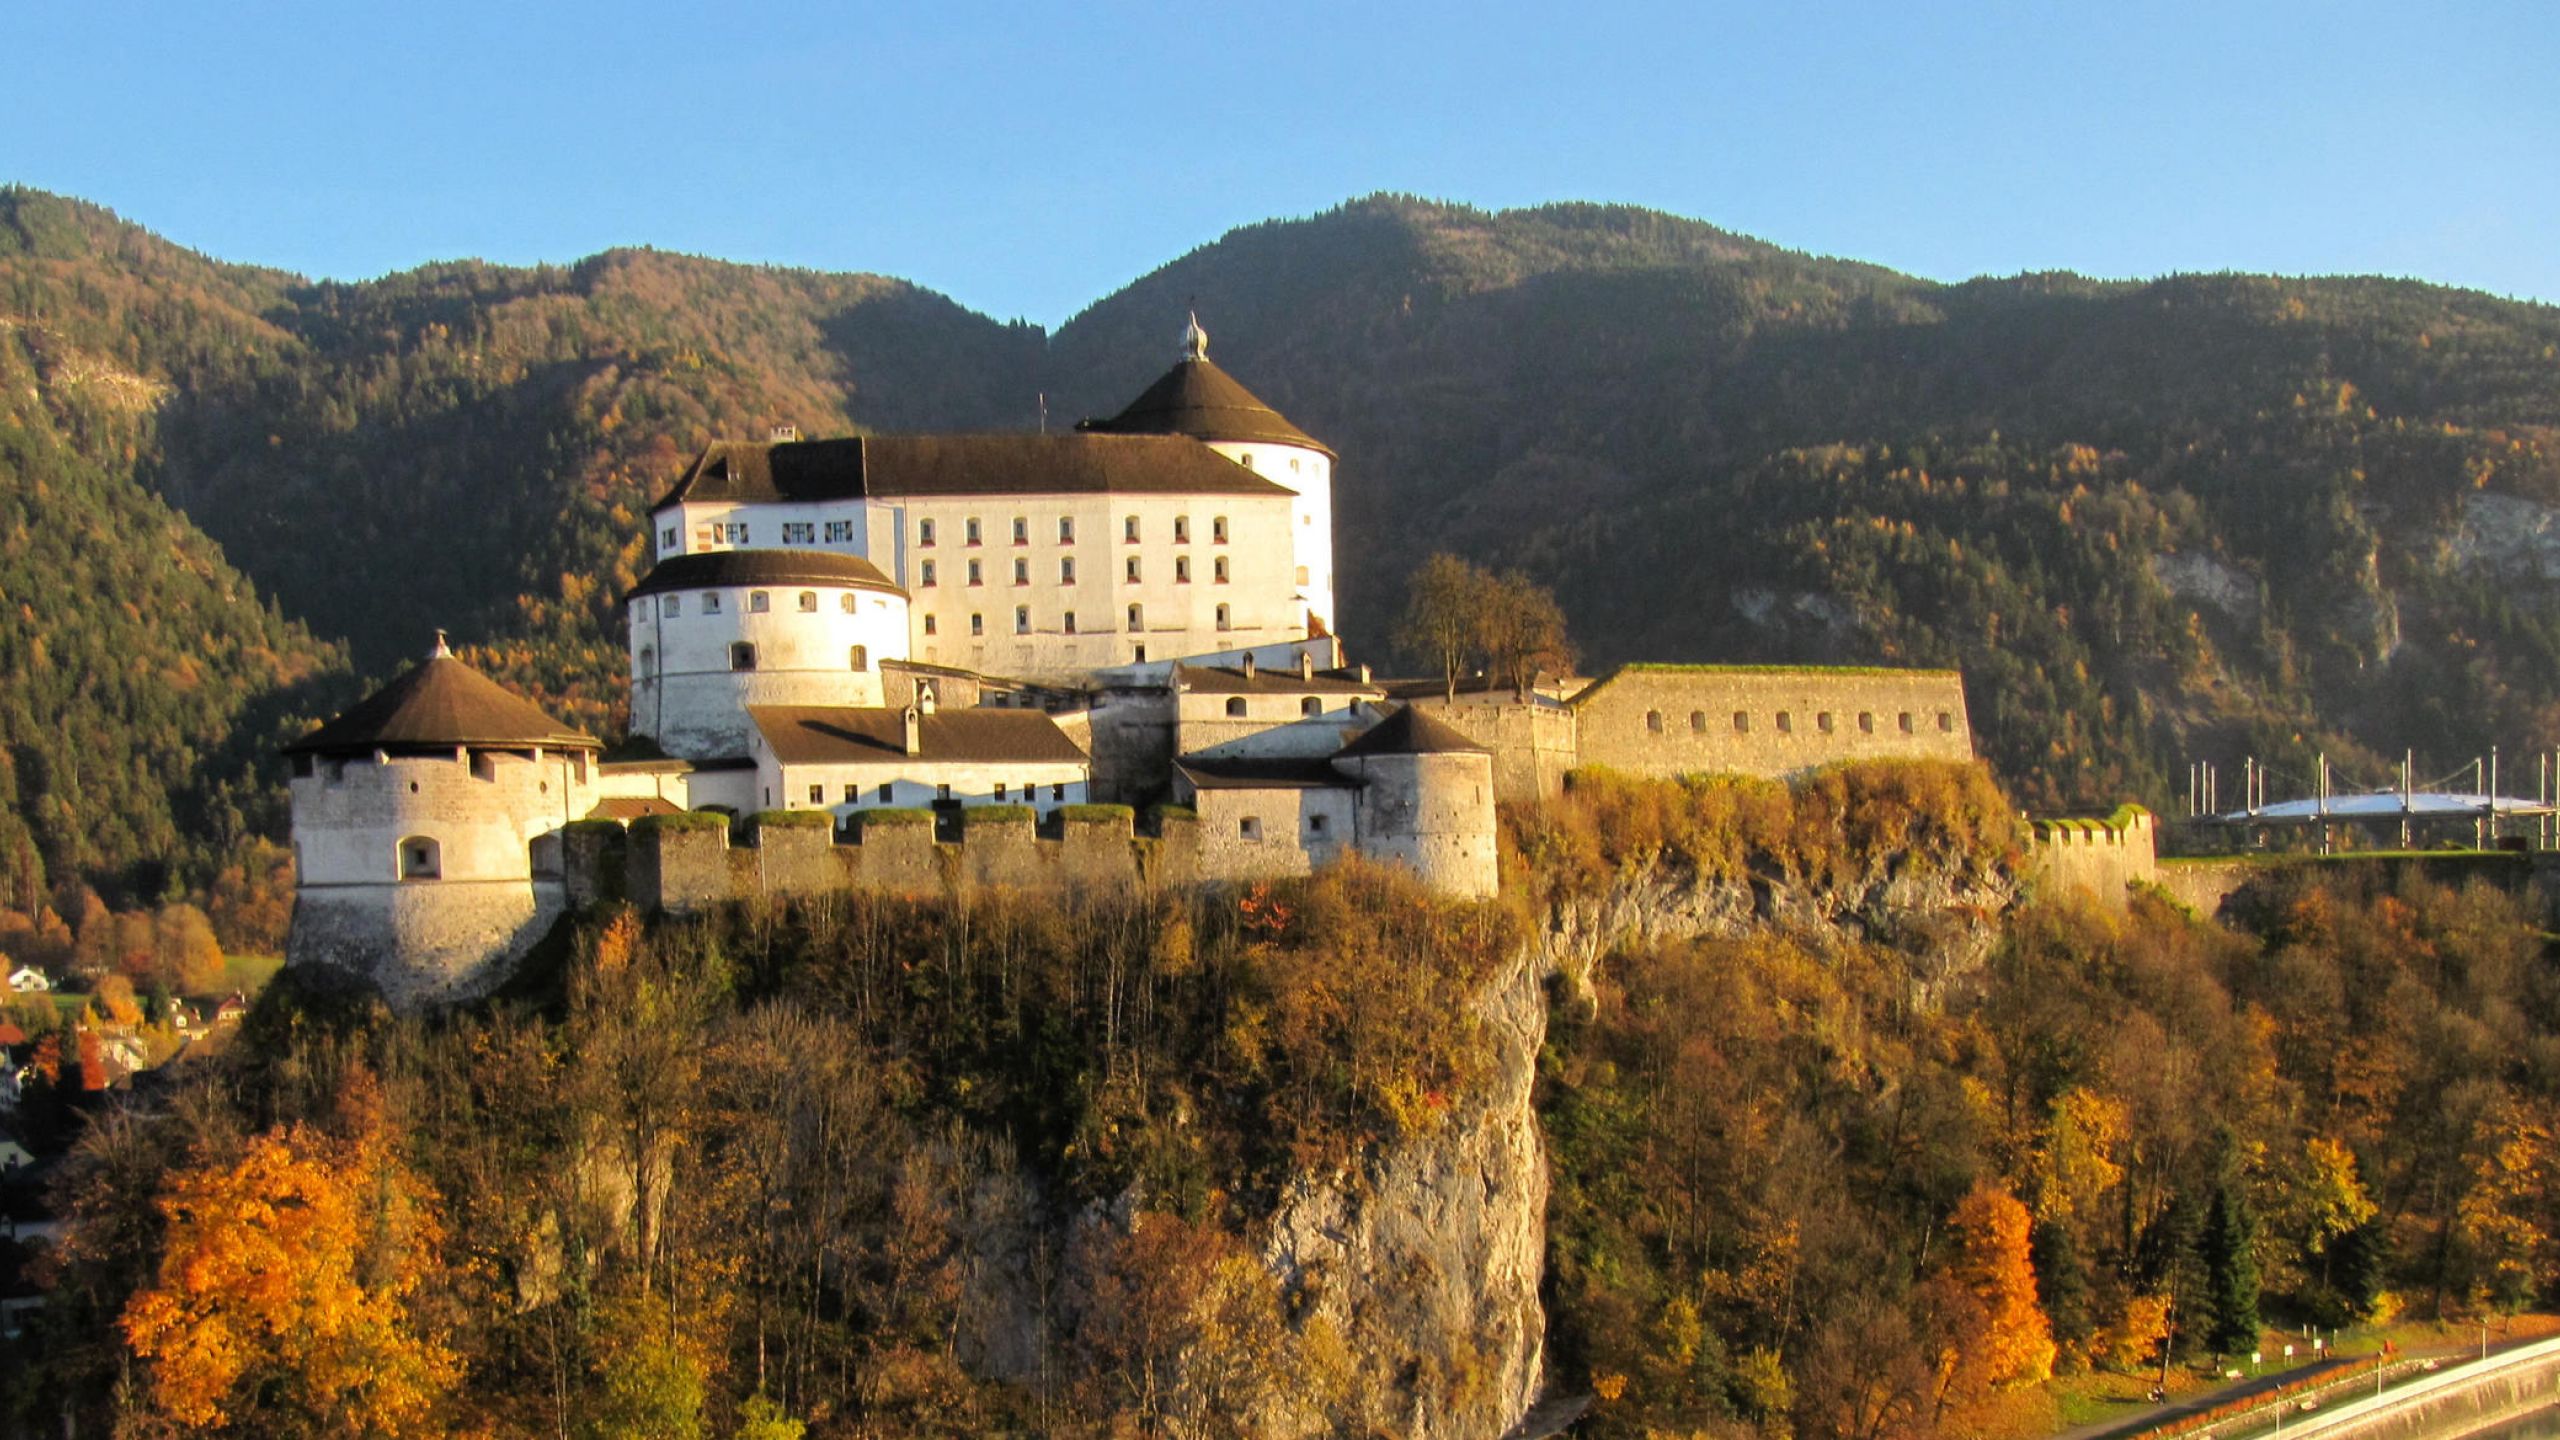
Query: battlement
x=2096 y=857
x=686 y=862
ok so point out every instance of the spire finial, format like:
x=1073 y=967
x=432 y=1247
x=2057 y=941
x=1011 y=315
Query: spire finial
x=1195 y=341
x=442 y=650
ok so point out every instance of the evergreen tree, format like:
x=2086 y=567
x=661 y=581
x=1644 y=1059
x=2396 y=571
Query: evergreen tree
x=2229 y=1247
x=2358 y=1262
x=2062 y=1282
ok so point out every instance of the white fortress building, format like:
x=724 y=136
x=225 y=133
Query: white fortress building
x=1137 y=612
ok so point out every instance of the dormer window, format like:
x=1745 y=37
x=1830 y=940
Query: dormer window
x=667 y=540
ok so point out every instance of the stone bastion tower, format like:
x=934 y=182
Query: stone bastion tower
x=1426 y=801
x=712 y=634
x=426 y=831
x=1198 y=399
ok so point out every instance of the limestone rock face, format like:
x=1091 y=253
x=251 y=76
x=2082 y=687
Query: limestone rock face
x=1427 y=1258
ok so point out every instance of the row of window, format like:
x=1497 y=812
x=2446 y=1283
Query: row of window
x=853 y=793
x=1786 y=722
x=1250 y=827
x=1131 y=532
x=742 y=656
x=1067 y=621
x=758 y=603
x=1310 y=705
x=929 y=574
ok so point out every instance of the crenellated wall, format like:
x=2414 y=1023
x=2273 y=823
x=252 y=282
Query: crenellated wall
x=2096 y=858
x=687 y=865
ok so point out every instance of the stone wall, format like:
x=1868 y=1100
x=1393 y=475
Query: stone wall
x=2096 y=858
x=1534 y=743
x=686 y=868
x=1773 y=721
x=424 y=943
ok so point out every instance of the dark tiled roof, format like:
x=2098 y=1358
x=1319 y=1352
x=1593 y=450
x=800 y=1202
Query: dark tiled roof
x=1198 y=399
x=1470 y=692
x=809 y=470
x=1410 y=732
x=440 y=702
x=1231 y=680
x=763 y=567
x=1265 y=773
x=846 y=735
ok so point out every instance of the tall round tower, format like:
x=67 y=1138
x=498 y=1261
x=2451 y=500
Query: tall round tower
x=1426 y=801
x=1198 y=399
x=426 y=831
x=714 y=633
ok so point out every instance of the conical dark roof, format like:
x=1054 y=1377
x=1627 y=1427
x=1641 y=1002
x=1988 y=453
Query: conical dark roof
x=1410 y=732
x=440 y=702
x=1198 y=399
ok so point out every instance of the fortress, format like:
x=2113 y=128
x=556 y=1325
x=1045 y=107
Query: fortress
x=921 y=662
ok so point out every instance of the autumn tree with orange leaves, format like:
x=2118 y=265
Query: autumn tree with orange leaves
x=282 y=1305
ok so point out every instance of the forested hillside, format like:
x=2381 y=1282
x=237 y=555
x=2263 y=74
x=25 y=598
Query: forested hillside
x=2197 y=516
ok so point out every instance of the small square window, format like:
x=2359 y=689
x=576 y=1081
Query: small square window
x=817 y=794
x=1000 y=790
x=758 y=602
x=808 y=602
x=674 y=605
x=1786 y=722
x=711 y=602
x=852 y=792
x=887 y=789
x=1866 y=722
x=1057 y=792
x=1316 y=824
x=1822 y=722
x=1249 y=828
x=1741 y=722
x=1946 y=722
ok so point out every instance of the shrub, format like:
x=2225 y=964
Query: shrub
x=1096 y=813
x=682 y=820
x=793 y=820
x=998 y=815
x=888 y=818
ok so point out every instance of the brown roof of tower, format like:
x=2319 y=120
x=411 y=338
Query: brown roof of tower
x=1198 y=399
x=1410 y=732
x=809 y=470
x=763 y=567
x=436 y=703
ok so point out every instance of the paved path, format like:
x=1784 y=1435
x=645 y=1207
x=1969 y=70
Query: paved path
x=2153 y=1417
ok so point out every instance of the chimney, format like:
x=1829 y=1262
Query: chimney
x=925 y=701
x=1364 y=674
x=1306 y=666
x=915 y=731
x=1248 y=664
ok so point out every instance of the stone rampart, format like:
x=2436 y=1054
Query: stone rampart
x=2460 y=1399
x=2096 y=858
x=689 y=864
x=1534 y=742
x=2205 y=884
x=1772 y=721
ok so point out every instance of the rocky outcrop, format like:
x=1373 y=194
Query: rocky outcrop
x=1427 y=1259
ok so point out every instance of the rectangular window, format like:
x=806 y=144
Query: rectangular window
x=1218 y=569
x=1021 y=530
x=1066 y=569
x=1021 y=572
x=1181 y=529
x=1866 y=722
x=1066 y=529
x=885 y=791
x=1057 y=792
x=973 y=535
x=977 y=572
x=674 y=605
x=1315 y=824
x=1069 y=623
x=1000 y=790
x=924 y=532
x=799 y=532
x=977 y=624
x=852 y=793
x=817 y=794
x=710 y=602
x=1181 y=569
x=735 y=534
x=1133 y=569
x=667 y=538
x=1129 y=529
x=758 y=601
x=1218 y=530
x=1822 y=722
x=1249 y=828
x=839 y=532
x=1021 y=619
x=929 y=627
x=924 y=572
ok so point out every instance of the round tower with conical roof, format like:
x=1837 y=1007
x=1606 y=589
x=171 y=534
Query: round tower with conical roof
x=427 y=831
x=1426 y=801
x=1198 y=399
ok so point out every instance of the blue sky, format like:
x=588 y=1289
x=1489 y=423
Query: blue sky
x=1029 y=159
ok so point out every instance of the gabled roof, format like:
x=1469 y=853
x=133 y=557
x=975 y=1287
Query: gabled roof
x=717 y=569
x=877 y=735
x=1231 y=680
x=1410 y=732
x=926 y=465
x=1198 y=399
x=627 y=808
x=440 y=703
